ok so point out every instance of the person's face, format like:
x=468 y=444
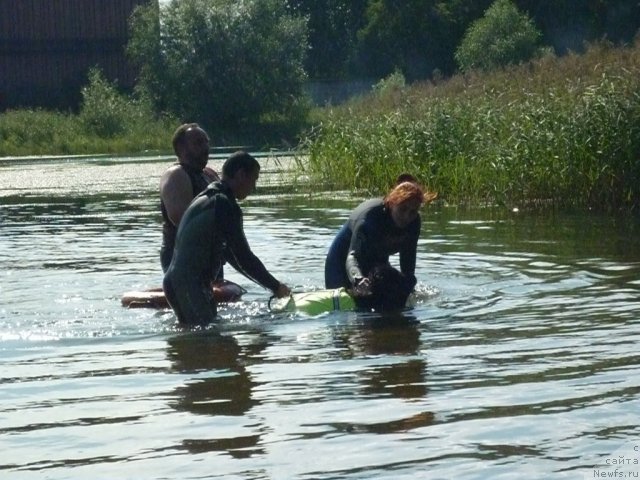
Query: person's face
x=196 y=147
x=246 y=183
x=404 y=213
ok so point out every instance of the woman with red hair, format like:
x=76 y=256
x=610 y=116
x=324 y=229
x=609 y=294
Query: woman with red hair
x=375 y=230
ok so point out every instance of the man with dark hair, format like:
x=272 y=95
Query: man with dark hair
x=181 y=182
x=209 y=234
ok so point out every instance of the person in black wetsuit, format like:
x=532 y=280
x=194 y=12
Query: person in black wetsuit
x=181 y=182
x=376 y=229
x=209 y=234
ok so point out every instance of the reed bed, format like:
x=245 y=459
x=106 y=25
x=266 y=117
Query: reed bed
x=561 y=132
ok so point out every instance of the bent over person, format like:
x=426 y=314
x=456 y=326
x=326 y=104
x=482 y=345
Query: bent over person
x=209 y=234
x=375 y=230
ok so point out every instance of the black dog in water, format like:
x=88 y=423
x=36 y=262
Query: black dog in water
x=390 y=291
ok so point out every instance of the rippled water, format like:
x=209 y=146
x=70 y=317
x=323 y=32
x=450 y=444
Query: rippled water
x=519 y=361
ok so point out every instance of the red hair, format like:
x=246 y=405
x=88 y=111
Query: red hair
x=408 y=190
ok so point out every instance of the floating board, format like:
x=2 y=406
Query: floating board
x=224 y=291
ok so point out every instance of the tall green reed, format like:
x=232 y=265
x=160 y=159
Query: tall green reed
x=561 y=132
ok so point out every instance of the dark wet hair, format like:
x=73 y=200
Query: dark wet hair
x=389 y=290
x=180 y=135
x=239 y=160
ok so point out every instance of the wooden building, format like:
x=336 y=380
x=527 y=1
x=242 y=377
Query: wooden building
x=48 y=46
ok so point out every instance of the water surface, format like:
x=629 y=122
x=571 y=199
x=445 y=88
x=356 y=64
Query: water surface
x=519 y=361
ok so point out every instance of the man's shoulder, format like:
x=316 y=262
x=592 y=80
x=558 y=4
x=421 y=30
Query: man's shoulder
x=175 y=169
x=174 y=173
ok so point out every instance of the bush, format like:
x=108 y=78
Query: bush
x=225 y=64
x=108 y=122
x=105 y=112
x=504 y=36
x=392 y=83
x=101 y=111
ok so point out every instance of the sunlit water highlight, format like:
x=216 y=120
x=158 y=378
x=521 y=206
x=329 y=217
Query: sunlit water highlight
x=519 y=361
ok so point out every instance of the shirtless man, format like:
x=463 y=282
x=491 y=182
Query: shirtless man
x=181 y=182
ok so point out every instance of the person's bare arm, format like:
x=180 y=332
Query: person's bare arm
x=176 y=193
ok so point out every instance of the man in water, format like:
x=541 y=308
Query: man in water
x=181 y=182
x=209 y=234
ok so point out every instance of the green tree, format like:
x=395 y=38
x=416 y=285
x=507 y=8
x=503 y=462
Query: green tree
x=570 y=24
x=333 y=25
x=503 y=36
x=107 y=113
x=416 y=37
x=225 y=63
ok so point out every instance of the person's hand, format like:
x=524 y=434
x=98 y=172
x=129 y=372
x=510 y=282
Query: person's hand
x=282 y=291
x=363 y=287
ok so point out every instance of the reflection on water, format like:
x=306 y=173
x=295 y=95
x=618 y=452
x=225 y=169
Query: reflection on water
x=219 y=385
x=519 y=359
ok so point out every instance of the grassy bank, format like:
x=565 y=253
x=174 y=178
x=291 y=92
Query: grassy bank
x=110 y=122
x=39 y=132
x=560 y=131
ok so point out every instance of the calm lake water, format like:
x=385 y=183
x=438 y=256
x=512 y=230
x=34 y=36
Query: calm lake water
x=521 y=359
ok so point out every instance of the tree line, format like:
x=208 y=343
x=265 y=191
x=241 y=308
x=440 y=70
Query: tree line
x=238 y=66
x=373 y=38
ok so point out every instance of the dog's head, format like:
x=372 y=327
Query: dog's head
x=389 y=290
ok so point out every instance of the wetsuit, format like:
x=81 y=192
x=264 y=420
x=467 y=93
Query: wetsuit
x=198 y=183
x=210 y=232
x=368 y=238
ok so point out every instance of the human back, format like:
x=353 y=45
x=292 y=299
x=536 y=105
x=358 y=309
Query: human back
x=209 y=212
